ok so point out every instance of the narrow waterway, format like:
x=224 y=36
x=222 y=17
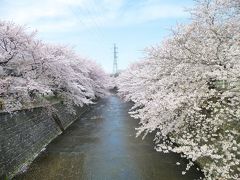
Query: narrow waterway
x=102 y=146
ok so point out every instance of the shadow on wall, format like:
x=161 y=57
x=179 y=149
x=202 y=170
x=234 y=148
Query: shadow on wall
x=24 y=134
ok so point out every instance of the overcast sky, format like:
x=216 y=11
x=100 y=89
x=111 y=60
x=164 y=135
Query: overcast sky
x=93 y=26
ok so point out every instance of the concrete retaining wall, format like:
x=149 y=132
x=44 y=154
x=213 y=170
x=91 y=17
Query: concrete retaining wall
x=25 y=133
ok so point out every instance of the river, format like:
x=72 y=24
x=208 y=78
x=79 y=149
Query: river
x=101 y=145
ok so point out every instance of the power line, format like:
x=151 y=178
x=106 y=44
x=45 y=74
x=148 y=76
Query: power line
x=97 y=31
x=92 y=30
x=95 y=10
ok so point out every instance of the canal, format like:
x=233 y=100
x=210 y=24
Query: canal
x=102 y=145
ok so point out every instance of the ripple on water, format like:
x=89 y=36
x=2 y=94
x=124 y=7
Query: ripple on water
x=102 y=146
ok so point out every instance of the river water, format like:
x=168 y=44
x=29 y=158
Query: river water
x=102 y=145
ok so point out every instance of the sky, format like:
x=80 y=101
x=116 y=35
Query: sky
x=92 y=27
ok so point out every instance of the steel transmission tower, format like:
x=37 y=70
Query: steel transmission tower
x=115 y=64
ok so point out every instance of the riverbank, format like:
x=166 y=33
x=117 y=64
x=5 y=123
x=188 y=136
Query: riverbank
x=102 y=145
x=25 y=133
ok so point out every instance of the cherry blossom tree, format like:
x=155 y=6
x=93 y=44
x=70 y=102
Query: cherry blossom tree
x=187 y=90
x=31 y=69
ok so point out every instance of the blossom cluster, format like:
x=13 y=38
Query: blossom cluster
x=31 y=70
x=187 y=90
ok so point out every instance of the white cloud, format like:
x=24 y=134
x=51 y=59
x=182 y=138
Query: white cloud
x=153 y=12
x=66 y=15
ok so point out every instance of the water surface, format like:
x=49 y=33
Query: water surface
x=101 y=145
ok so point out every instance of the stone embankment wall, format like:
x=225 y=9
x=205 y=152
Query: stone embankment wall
x=24 y=134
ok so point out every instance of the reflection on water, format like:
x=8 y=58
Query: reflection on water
x=56 y=166
x=102 y=146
